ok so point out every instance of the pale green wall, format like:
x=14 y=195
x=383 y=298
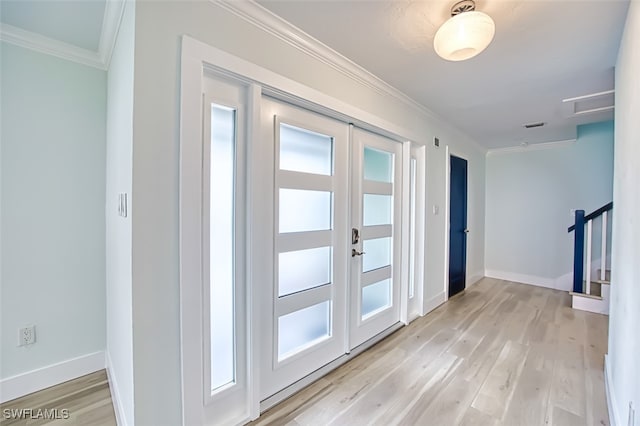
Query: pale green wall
x=53 y=189
x=624 y=337
x=529 y=197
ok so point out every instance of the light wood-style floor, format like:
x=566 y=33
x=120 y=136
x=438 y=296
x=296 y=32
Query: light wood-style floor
x=86 y=399
x=498 y=354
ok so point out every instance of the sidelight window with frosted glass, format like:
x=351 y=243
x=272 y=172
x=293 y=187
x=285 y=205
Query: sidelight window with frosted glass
x=221 y=246
x=412 y=227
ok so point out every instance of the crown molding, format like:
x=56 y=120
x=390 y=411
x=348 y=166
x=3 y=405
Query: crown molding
x=273 y=24
x=533 y=147
x=49 y=46
x=113 y=12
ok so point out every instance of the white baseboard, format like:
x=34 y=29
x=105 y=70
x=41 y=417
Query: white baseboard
x=115 y=394
x=51 y=375
x=434 y=302
x=477 y=276
x=563 y=282
x=614 y=417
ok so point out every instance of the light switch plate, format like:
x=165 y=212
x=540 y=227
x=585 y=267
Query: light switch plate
x=122 y=204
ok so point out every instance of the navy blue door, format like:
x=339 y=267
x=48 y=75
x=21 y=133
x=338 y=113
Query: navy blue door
x=458 y=225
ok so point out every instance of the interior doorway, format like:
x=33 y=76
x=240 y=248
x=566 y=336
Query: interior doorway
x=457 y=224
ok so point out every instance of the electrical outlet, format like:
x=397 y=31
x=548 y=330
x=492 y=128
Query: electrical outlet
x=27 y=335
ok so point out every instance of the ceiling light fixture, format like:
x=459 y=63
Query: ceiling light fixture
x=464 y=35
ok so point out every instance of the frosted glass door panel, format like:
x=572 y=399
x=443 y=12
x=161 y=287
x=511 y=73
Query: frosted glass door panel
x=376 y=297
x=305 y=151
x=377 y=254
x=378 y=165
x=221 y=245
x=304 y=269
x=301 y=329
x=302 y=210
x=376 y=209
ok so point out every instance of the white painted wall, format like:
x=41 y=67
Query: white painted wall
x=529 y=197
x=118 y=236
x=624 y=339
x=159 y=26
x=52 y=221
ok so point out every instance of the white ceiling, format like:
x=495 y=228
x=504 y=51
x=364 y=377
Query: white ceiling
x=543 y=52
x=76 y=22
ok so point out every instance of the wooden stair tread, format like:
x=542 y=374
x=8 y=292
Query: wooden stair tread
x=590 y=296
x=601 y=281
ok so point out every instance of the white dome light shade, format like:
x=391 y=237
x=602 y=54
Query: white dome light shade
x=464 y=35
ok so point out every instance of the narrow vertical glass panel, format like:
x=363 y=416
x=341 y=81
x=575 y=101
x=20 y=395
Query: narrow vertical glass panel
x=302 y=329
x=377 y=254
x=221 y=246
x=305 y=151
x=302 y=210
x=376 y=210
x=378 y=165
x=412 y=228
x=376 y=297
x=303 y=269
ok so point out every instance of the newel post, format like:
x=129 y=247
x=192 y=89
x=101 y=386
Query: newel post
x=578 y=252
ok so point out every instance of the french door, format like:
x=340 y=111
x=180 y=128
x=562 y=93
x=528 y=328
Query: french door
x=375 y=239
x=336 y=279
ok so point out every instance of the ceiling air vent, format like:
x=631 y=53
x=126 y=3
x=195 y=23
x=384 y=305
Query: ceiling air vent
x=532 y=125
x=601 y=102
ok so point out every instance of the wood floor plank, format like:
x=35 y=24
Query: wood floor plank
x=562 y=417
x=422 y=393
x=381 y=397
x=529 y=403
x=474 y=417
x=450 y=405
x=568 y=386
x=343 y=395
x=496 y=392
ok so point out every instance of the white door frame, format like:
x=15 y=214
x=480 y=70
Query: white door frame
x=196 y=57
x=415 y=307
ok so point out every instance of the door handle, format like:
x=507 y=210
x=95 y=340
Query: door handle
x=466 y=231
x=355 y=253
